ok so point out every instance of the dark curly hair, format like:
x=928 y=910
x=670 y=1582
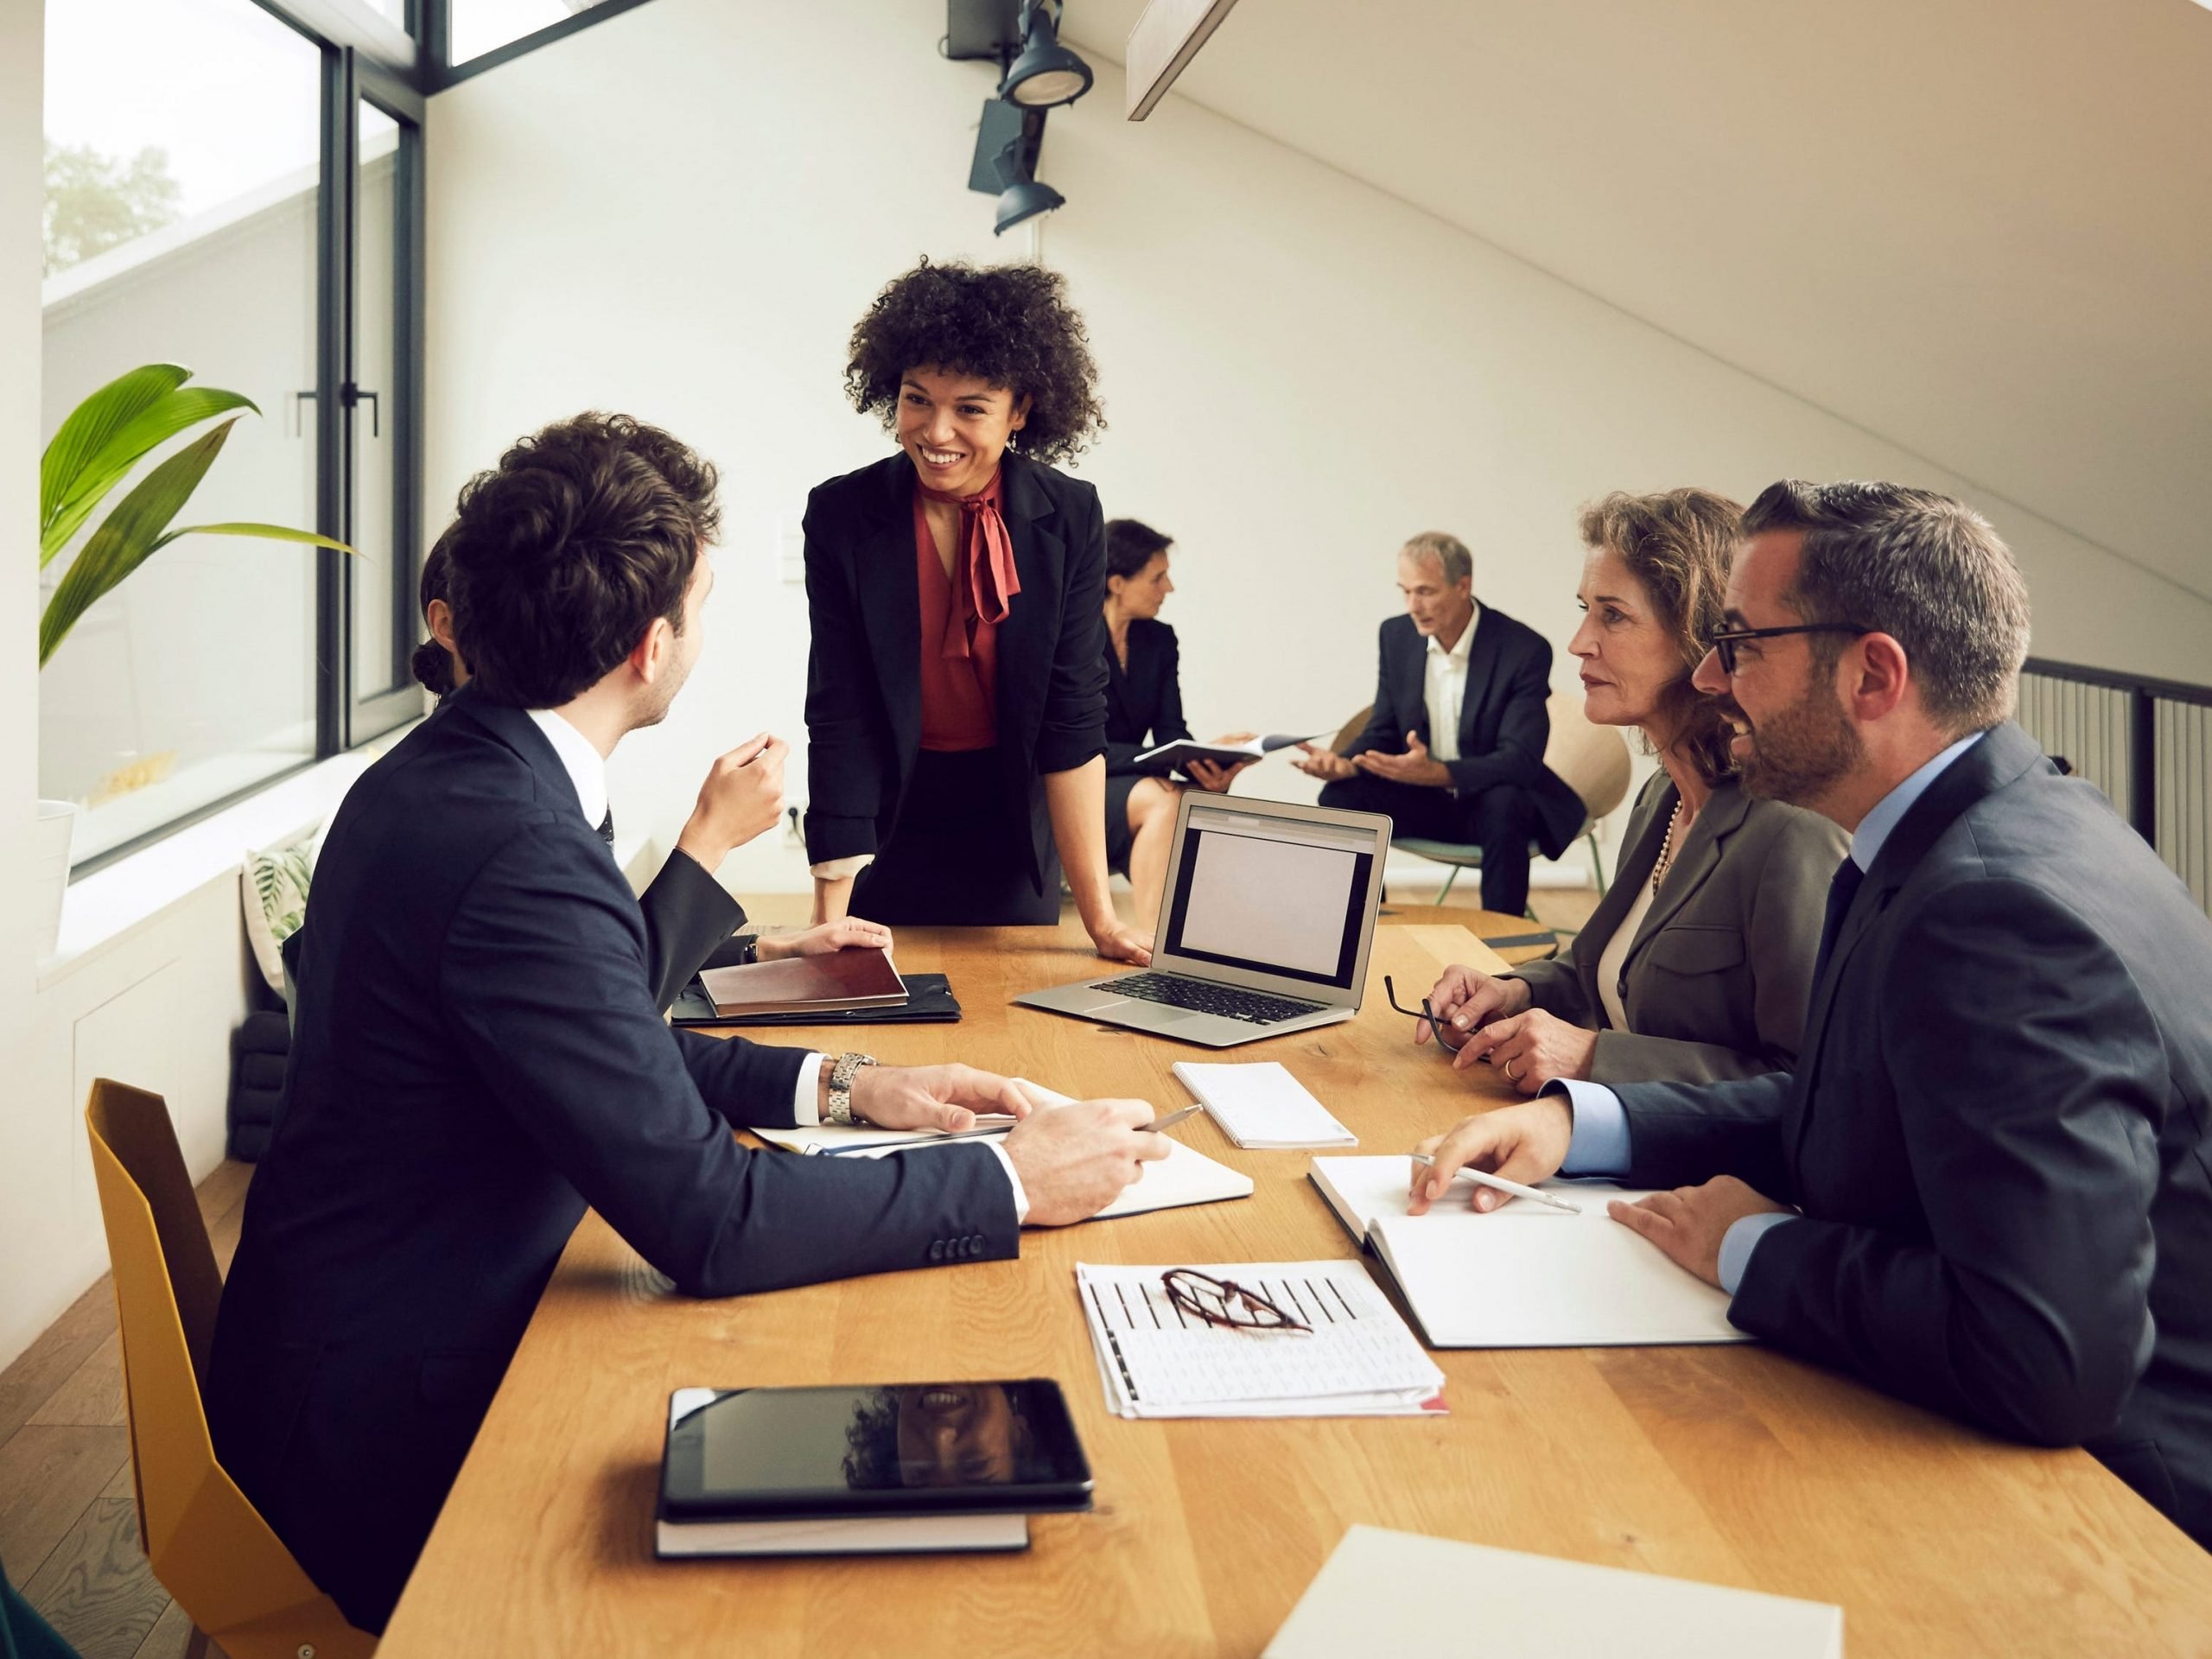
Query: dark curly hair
x=1011 y=324
x=560 y=558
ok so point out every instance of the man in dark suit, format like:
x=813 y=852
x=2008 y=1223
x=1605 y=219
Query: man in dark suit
x=1991 y=1171
x=1454 y=749
x=478 y=1056
x=690 y=918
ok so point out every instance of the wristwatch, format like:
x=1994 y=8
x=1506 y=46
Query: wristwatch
x=840 y=1109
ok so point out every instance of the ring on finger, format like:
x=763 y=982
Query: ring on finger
x=1511 y=1075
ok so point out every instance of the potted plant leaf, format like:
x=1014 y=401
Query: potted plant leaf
x=95 y=449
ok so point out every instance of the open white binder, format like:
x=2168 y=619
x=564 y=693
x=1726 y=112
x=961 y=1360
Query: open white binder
x=1522 y=1275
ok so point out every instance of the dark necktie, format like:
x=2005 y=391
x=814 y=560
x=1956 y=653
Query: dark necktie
x=1841 y=890
x=606 y=828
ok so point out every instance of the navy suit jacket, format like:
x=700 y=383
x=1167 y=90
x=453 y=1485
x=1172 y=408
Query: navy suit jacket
x=1999 y=1131
x=1504 y=725
x=688 y=918
x=477 y=1057
x=864 y=663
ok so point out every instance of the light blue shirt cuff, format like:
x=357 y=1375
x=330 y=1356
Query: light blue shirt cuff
x=1739 y=1241
x=1600 y=1142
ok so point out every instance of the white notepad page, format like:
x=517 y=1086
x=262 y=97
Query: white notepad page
x=1401 y=1593
x=1156 y=1361
x=1259 y=1105
x=1524 y=1275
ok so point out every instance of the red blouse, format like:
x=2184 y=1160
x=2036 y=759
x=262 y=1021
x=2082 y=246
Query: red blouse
x=959 y=642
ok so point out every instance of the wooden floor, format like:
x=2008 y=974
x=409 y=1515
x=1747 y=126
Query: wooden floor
x=68 y=1535
x=68 y=1531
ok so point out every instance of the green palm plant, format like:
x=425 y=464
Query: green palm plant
x=107 y=435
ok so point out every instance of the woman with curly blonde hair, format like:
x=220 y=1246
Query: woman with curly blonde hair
x=956 y=702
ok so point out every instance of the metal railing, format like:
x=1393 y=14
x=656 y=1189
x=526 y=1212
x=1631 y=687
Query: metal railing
x=2147 y=743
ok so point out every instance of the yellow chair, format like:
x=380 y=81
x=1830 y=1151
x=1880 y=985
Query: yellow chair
x=208 y=1545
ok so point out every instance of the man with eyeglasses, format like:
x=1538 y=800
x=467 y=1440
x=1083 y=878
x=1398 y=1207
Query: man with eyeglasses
x=1987 y=1186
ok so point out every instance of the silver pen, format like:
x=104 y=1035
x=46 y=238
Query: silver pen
x=1484 y=1178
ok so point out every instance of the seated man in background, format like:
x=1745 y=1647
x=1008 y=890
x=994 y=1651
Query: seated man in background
x=1993 y=1159
x=1454 y=749
x=689 y=916
x=478 y=1056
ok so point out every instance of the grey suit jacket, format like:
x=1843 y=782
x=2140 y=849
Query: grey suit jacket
x=1718 y=977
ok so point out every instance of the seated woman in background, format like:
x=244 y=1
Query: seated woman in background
x=1144 y=709
x=1698 y=964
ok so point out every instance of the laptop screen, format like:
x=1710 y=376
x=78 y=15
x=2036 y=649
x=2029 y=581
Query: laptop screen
x=1273 y=895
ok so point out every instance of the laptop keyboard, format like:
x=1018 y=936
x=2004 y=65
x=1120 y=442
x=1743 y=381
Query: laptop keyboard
x=1230 y=1001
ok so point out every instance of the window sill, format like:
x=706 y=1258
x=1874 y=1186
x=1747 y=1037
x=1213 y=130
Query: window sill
x=102 y=909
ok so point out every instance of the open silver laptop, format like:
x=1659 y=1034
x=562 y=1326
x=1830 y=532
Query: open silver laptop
x=1264 y=927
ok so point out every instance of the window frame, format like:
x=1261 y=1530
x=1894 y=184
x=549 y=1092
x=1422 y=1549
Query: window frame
x=366 y=58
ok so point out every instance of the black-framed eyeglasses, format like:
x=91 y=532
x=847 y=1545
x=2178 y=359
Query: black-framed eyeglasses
x=1225 y=1302
x=1725 y=642
x=1450 y=1040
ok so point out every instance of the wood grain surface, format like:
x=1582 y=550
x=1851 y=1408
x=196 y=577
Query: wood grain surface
x=1734 y=1464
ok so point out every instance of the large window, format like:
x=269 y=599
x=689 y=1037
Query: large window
x=231 y=194
x=236 y=187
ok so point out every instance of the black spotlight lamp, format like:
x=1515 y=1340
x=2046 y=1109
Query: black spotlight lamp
x=1022 y=197
x=1046 y=74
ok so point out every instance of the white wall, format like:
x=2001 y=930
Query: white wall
x=680 y=212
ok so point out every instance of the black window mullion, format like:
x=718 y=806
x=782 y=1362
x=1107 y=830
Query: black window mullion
x=409 y=187
x=334 y=330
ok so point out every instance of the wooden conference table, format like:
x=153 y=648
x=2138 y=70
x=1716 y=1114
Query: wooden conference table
x=1732 y=1464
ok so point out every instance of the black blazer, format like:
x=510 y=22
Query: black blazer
x=864 y=666
x=1503 y=724
x=477 y=1059
x=1999 y=1131
x=1144 y=701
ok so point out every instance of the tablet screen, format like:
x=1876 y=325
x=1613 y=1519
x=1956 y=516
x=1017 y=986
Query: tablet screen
x=771 y=1451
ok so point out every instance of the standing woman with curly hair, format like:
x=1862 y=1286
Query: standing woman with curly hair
x=956 y=701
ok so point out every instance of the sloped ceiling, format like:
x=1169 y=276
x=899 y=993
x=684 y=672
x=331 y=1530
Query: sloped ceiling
x=1981 y=229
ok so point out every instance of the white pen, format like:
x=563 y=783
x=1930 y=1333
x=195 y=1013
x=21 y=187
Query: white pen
x=1484 y=1178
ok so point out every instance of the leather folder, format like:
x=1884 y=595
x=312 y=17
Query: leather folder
x=929 y=1001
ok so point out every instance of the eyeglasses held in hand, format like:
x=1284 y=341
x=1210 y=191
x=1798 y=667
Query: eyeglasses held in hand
x=1225 y=1302
x=1452 y=1040
x=1725 y=641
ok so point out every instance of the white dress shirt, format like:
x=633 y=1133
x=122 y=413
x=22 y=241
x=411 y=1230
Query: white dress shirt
x=1447 y=690
x=586 y=768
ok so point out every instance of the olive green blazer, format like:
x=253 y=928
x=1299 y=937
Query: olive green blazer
x=1718 y=977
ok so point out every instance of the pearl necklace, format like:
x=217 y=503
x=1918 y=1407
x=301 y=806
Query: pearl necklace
x=1665 y=849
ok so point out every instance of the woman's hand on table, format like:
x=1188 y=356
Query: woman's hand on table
x=1467 y=999
x=1118 y=942
x=848 y=933
x=1531 y=1048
